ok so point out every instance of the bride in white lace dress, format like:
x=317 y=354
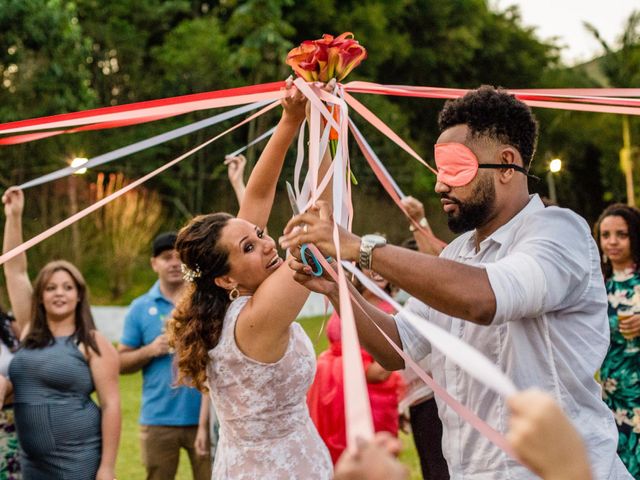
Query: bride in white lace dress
x=234 y=330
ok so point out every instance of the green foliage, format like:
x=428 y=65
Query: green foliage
x=42 y=59
x=205 y=65
x=621 y=63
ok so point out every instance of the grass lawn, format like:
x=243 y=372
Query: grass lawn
x=129 y=465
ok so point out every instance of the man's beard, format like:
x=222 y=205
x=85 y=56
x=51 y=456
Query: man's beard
x=475 y=212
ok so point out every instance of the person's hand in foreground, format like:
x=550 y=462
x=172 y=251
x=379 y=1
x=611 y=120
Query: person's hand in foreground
x=373 y=460
x=316 y=226
x=544 y=439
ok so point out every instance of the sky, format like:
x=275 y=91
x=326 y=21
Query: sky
x=563 y=18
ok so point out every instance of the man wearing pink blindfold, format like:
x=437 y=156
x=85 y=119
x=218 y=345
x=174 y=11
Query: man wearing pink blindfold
x=522 y=284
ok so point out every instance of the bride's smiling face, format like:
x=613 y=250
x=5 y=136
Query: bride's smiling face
x=252 y=254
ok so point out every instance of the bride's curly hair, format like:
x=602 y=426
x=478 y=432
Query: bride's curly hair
x=197 y=320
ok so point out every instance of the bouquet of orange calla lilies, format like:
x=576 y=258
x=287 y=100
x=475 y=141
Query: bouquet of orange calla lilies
x=326 y=58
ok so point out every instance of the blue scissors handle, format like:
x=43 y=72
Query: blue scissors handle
x=310 y=260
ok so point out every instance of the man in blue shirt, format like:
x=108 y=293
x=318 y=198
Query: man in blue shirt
x=169 y=414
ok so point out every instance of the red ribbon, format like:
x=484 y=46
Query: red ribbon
x=605 y=100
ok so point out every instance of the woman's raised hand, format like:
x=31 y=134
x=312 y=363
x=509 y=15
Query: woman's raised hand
x=235 y=169
x=293 y=103
x=13 y=200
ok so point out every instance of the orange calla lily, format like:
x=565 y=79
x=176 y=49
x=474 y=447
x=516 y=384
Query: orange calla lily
x=327 y=57
x=350 y=56
x=300 y=59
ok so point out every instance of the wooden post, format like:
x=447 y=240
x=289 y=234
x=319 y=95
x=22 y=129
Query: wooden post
x=626 y=162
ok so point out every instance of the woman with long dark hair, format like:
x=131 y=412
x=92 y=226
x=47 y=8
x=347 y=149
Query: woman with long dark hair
x=618 y=236
x=235 y=335
x=63 y=359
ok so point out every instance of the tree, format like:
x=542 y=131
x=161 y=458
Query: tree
x=124 y=229
x=621 y=66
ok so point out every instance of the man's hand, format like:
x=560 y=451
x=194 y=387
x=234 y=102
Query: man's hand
x=374 y=460
x=323 y=284
x=159 y=346
x=13 y=200
x=201 y=444
x=316 y=226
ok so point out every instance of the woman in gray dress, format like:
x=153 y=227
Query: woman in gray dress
x=62 y=360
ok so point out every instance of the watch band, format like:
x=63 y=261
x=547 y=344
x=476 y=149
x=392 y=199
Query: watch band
x=365 y=254
x=367 y=244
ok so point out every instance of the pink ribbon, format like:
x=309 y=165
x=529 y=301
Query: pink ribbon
x=594 y=103
x=99 y=204
x=485 y=429
x=165 y=107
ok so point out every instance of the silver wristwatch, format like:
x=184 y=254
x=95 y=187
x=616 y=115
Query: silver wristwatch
x=367 y=244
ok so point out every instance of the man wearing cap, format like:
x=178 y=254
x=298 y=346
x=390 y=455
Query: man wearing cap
x=169 y=414
x=522 y=284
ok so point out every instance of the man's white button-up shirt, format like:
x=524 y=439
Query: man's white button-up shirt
x=550 y=331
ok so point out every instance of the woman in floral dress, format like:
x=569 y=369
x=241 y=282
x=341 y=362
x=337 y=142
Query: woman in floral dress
x=618 y=235
x=9 y=447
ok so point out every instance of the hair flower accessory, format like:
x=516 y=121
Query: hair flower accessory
x=190 y=275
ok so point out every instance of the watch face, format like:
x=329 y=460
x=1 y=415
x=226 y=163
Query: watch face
x=375 y=239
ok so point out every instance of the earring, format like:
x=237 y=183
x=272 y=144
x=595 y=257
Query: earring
x=233 y=294
x=605 y=259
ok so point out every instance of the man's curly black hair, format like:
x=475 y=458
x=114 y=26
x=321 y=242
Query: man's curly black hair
x=496 y=114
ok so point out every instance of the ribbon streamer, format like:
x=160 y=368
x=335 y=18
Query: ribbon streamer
x=144 y=144
x=599 y=104
x=164 y=107
x=388 y=183
x=504 y=385
x=484 y=428
x=266 y=134
x=23 y=247
x=590 y=100
x=467 y=357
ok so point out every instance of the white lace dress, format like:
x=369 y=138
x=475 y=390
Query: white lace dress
x=265 y=428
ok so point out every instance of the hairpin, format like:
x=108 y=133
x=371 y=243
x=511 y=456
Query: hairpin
x=190 y=275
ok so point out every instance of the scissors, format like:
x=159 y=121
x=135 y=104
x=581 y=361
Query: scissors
x=307 y=257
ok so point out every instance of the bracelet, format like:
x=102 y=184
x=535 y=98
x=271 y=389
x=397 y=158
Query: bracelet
x=423 y=223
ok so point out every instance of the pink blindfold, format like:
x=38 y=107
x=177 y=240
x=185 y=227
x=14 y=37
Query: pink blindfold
x=458 y=165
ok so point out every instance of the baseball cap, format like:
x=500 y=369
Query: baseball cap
x=164 y=241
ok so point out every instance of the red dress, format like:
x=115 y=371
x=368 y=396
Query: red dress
x=326 y=395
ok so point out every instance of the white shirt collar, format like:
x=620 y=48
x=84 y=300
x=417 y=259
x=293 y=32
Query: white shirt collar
x=500 y=235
